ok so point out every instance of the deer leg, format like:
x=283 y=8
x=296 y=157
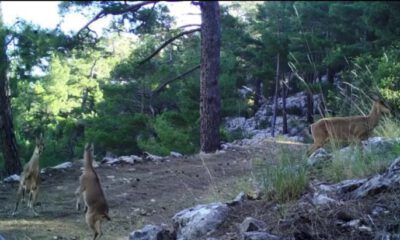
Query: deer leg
x=312 y=148
x=90 y=220
x=78 y=194
x=34 y=193
x=98 y=232
x=20 y=193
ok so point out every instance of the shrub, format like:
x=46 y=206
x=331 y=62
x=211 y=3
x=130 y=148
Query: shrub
x=284 y=180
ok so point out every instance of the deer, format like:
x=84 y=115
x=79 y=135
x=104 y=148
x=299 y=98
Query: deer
x=30 y=178
x=352 y=128
x=90 y=191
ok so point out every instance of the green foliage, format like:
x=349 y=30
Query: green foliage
x=119 y=134
x=230 y=136
x=389 y=127
x=373 y=74
x=83 y=89
x=171 y=133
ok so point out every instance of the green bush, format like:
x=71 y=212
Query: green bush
x=284 y=180
x=118 y=134
x=172 y=132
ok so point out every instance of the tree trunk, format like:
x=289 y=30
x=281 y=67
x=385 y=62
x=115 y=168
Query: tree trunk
x=310 y=102
x=330 y=75
x=209 y=89
x=12 y=164
x=257 y=97
x=275 y=97
x=284 y=94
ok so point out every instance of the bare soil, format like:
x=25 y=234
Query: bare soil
x=153 y=192
x=144 y=193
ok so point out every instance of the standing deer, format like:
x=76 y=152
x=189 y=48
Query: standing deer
x=353 y=128
x=30 y=178
x=96 y=207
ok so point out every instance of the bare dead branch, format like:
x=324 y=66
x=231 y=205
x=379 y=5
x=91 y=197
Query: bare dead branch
x=9 y=41
x=163 y=85
x=91 y=73
x=168 y=42
x=190 y=25
x=105 y=12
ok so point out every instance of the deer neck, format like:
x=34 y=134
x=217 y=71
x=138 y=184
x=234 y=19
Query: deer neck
x=88 y=161
x=374 y=116
x=34 y=161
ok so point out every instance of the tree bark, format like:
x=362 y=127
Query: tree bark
x=12 y=164
x=284 y=116
x=258 y=92
x=310 y=101
x=209 y=88
x=275 y=96
x=330 y=75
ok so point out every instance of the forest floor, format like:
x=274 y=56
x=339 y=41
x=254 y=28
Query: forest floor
x=152 y=192
x=144 y=193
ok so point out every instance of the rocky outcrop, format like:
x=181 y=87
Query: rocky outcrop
x=381 y=182
x=253 y=229
x=356 y=188
x=259 y=126
x=152 y=232
x=376 y=145
x=199 y=221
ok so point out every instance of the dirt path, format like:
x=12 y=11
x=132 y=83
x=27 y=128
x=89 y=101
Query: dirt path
x=144 y=193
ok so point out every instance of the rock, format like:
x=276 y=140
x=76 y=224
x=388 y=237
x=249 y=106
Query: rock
x=175 y=154
x=364 y=228
x=252 y=225
x=239 y=199
x=152 y=232
x=387 y=236
x=199 y=221
x=355 y=224
x=259 y=125
x=379 y=210
x=322 y=199
x=259 y=236
x=341 y=187
x=152 y=157
x=254 y=195
x=388 y=180
x=63 y=165
x=380 y=145
x=225 y=146
x=320 y=155
x=12 y=178
x=375 y=145
x=234 y=123
x=132 y=159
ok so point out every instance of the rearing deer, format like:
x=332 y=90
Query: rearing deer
x=353 y=128
x=30 y=178
x=96 y=207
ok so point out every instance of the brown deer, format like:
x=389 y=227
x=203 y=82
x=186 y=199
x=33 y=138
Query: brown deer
x=348 y=129
x=30 y=178
x=96 y=207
